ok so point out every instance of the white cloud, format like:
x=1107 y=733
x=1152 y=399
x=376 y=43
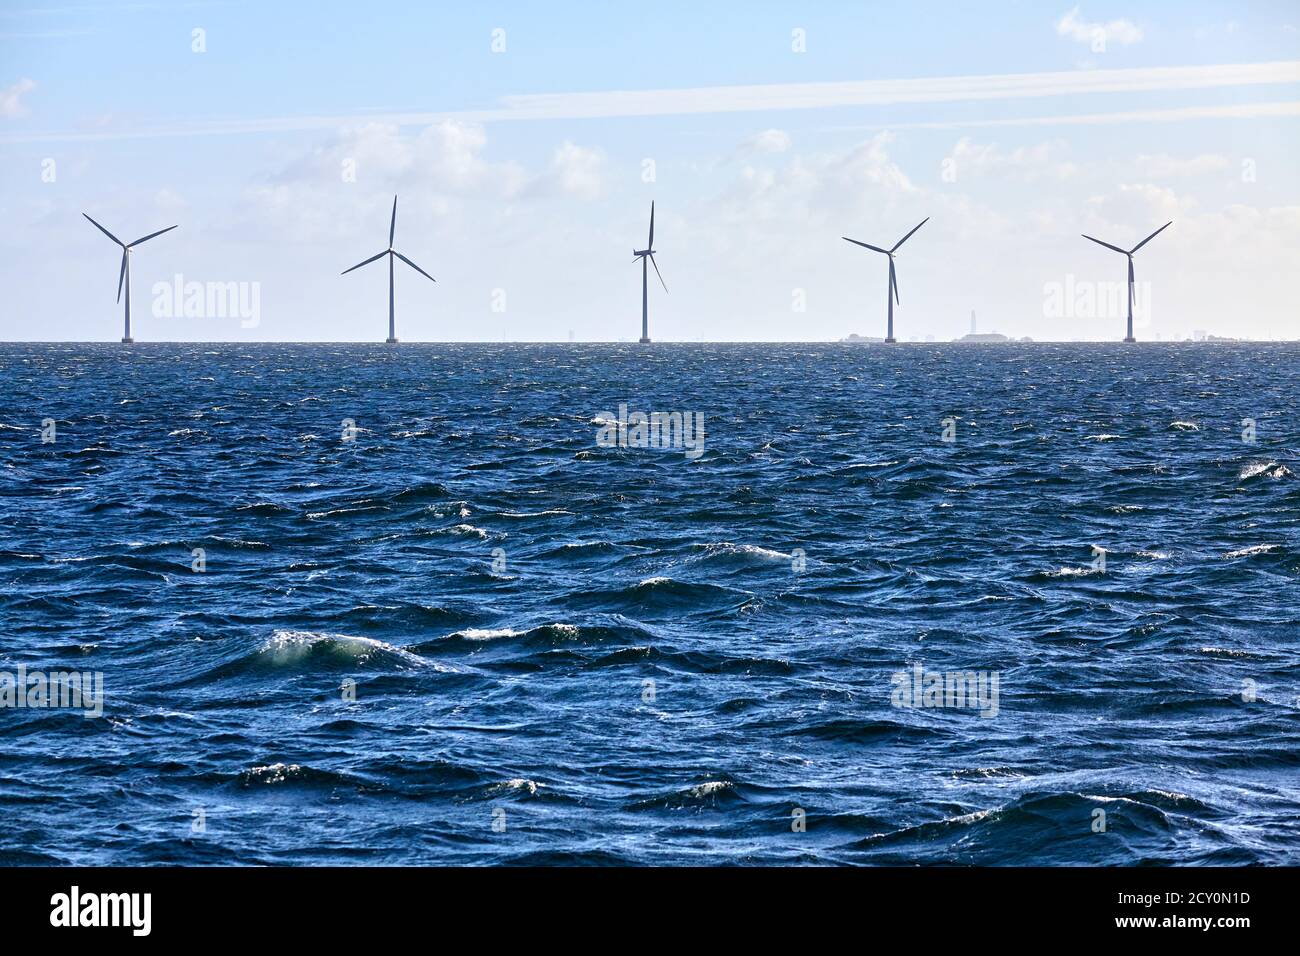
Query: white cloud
x=11 y=98
x=1026 y=163
x=768 y=141
x=1120 y=31
x=819 y=186
x=789 y=214
x=1177 y=115
x=575 y=171
x=1164 y=166
x=779 y=222
x=1228 y=269
x=445 y=157
x=1117 y=211
x=1052 y=161
x=730 y=99
x=800 y=96
x=1230 y=28
x=442 y=173
x=449 y=156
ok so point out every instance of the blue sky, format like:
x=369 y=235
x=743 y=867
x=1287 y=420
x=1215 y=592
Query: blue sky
x=772 y=130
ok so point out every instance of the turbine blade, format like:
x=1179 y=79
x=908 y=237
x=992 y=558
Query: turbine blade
x=651 y=243
x=909 y=235
x=893 y=281
x=120 y=276
x=865 y=245
x=104 y=231
x=365 y=263
x=658 y=273
x=1153 y=235
x=150 y=236
x=414 y=266
x=1122 y=252
x=392 y=226
x=1130 y=282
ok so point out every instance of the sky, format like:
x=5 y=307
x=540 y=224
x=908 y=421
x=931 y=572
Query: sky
x=526 y=146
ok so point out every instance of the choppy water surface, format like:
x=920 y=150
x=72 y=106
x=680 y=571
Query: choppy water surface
x=510 y=686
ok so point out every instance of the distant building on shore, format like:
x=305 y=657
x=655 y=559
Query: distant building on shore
x=1200 y=335
x=975 y=336
x=984 y=337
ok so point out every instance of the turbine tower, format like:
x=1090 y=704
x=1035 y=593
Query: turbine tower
x=647 y=253
x=891 y=294
x=391 y=253
x=1129 y=253
x=124 y=274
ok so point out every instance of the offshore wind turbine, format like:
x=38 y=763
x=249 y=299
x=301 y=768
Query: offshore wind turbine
x=1129 y=253
x=124 y=274
x=391 y=253
x=891 y=294
x=647 y=253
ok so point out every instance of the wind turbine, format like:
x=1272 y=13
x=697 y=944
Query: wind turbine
x=1129 y=253
x=124 y=275
x=891 y=295
x=391 y=253
x=647 y=253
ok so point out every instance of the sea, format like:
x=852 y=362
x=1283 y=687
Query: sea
x=676 y=604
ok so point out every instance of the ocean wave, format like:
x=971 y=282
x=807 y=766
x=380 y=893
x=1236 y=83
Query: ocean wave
x=1252 y=551
x=709 y=794
x=520 y=786
x=292 y=775
x=549 y=512
x=340 y=512
x=288 y=648
x=660 y=592
x=726 y=553
x=1069 y=571
x=695 y=661
x=1022 y=828
x=424 y=491
x=469 y=529
x=864 y=731
x=301 y=652
x=542 y=637
x=1265 y=469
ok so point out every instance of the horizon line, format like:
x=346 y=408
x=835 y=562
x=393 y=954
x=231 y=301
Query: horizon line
x=1219 y=340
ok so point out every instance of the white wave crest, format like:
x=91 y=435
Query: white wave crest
x=1253 y=549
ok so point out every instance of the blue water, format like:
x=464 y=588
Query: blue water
x=502 y=712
